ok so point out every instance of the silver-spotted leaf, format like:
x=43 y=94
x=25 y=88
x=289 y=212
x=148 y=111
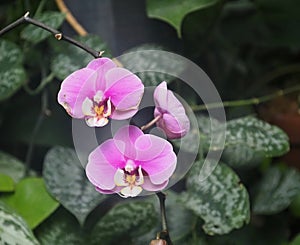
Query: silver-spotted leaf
x=220 y=200
x=60 y=229
x=66 y=180
x=242 y=156
x=128 y=219
x=151 y=65
x=11 y=166
x=13 y=229
x=258 y=135
x=12 y=73
x=276 y=190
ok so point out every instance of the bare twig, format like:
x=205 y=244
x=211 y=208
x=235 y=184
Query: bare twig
x=43 y=113
x=57 y=34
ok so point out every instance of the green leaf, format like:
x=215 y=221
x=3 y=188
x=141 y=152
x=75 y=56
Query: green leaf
x=127 y=219
x=262 y=233
x=295 y=206
x=11 y=166
x=66 y=180
x=248 y=140
x=69 y=58
x=6 y=183
x=258 y=135
x=220 y=200
x=150 y=66
x=36 y=34
x=13 y=229
x=12 y=74
x=242 y=156
x=276 y=191
x=296 y=240
x=60 y=229
x=175 y=212
x=174 y=11
x=31 y=200
x=206 y=125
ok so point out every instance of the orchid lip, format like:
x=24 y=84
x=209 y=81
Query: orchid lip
x=97 y=111
x=130 y=181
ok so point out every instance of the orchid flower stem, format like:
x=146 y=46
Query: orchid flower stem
x=252 y=101
x=41 y=86
x=57 y=34
x=44 y=112
x=164 y=234
x=151 y=123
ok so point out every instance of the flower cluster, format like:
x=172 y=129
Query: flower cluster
x=131 y=161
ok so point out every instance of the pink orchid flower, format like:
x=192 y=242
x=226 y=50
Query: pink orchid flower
x=130 y=162
x=169 y=113
x=101 y=91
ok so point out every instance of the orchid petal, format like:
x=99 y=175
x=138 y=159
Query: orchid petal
x=161 y=168
x=174 y=127
x=150 y=146
x=112 y=191
x=128 y=135
x=131 y=191
x=87 y=107
x=174 y=120
x=95 y=122
x=104 y=63
x=165 y=99
x=119 y=178
x=98 y=96
x=99 y=173
x=122 y=115
x=149 y=186
x=101 y=66
x=75 y=88
x=102 y=165
x=124 y=89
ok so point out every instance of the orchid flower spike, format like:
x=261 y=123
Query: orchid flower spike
x=171 y=115
x=130 y=163
x=101 y=91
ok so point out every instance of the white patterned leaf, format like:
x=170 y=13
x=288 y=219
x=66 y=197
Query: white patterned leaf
x=13 y=229
x=66 y=180
x=220 y=200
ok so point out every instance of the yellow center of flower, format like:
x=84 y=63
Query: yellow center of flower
x=99 y=110
x=130 y=179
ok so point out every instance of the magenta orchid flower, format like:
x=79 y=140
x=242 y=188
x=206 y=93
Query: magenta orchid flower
x=101 y=91
x=130 y=162
x=169 y=113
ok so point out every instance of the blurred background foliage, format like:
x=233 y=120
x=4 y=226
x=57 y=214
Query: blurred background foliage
x=249 y=48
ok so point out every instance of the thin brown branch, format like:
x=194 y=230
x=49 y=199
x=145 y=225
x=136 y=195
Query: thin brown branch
x=57 y=34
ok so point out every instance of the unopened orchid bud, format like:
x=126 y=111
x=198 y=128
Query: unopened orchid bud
x=158 y=242
x=171 y=113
